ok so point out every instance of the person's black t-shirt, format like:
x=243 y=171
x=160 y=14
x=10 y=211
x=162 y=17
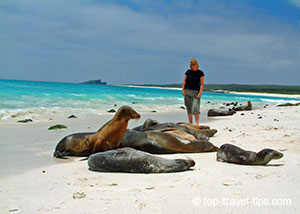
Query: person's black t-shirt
x=193 y=79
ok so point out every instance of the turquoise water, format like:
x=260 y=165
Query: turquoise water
x=31 y=98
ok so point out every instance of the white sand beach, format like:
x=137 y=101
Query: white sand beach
x=32 y=181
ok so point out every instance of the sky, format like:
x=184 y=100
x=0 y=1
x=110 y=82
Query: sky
x=150 y=42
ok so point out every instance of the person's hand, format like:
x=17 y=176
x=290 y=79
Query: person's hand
x=198 y=96
x=183 y=92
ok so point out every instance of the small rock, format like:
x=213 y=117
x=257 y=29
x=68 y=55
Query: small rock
x=111 y=111
x=153 y=111
x=182 y=107
x=58 y=126
x=72 y=116
x=25 y=121
x=149 y=188
x=79 y=195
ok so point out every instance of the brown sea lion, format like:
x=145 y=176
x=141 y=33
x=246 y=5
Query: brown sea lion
x=200 y=133
x=248 y=107
x=134 y=161
x=165 y=143
x=109 y=136
x=233 y=154
x=200 y=129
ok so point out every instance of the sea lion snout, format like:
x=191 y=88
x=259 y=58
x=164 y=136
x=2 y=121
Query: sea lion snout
x=277 y=155
x=188 y=163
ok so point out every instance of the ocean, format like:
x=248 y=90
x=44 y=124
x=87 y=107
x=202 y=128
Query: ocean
x=46 y=100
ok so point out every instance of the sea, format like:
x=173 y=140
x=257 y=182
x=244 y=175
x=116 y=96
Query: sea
x=51 y=100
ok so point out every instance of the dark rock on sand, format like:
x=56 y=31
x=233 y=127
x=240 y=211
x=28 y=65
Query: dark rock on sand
x=58 y=126
x=25 y=121
x=111 y=111
x=72 y=116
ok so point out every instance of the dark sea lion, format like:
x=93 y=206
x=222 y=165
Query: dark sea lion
x=148 y=123
x=220 y=112
x=109 y=136
x=134 y=161
x=233 y=154
x=248 y=107
x=164 y=143
x=288 y=104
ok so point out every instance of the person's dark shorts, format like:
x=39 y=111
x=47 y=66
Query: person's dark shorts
x=191 y=102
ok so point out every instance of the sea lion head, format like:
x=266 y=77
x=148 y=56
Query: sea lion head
x=185 y=163
x=149 y=122
x=128 y=112
x=268 y=154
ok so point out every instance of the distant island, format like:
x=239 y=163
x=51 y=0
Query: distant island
x=94 y=82
x=276 y=89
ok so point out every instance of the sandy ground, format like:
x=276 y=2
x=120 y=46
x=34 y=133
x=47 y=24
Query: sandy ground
x=32 y=181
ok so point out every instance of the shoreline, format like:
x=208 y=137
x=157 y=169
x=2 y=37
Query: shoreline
x=266 y=94
x=157 y=87
x=222 y=91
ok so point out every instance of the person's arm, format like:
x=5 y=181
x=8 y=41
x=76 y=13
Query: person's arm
x=201 y=87
x=183 y=85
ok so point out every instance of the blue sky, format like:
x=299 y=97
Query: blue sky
x=118 y=41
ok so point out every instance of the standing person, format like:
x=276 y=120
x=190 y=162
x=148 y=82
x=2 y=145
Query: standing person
x=192 y=88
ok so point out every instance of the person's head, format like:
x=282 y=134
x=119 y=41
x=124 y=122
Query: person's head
x=194 y=64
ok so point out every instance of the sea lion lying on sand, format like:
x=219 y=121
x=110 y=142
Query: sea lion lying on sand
x=288 y=104
x=233 y=154
x=131 y=160
x=168 y=142
x=220 y=112
x=108 y=137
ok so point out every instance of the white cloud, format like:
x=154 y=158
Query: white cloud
x=91 y=40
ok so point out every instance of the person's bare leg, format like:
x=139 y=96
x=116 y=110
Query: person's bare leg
x=190 y=116
x=197 y=118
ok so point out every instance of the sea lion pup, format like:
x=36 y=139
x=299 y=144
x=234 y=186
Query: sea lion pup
x=233 y=154
x=131 y=160
x=164 y=143
x=247 y=107
x=109 y=136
